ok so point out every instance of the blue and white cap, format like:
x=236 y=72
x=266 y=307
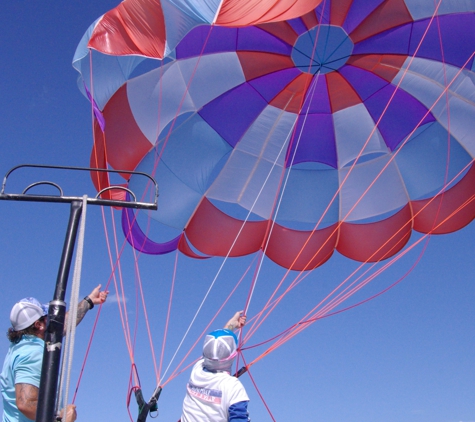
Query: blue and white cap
x=25 y=312
x=219 y=350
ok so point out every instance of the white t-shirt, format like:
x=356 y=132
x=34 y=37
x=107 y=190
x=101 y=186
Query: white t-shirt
x=209 y=395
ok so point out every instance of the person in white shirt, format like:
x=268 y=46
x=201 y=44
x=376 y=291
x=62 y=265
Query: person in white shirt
x=212 y=393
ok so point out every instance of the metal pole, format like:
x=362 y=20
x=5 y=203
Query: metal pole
x=56 y=317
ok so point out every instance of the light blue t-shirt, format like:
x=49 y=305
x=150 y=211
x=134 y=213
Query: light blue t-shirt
x=22 y=366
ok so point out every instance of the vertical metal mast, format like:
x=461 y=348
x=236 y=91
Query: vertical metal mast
x=57 y=307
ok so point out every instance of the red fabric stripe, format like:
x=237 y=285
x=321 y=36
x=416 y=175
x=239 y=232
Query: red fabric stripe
x=213 y=233
x=185 y=248
x=291 y=97
x=253 y=12
x=281 y=30
x=301 y=250
x=255 y=64
x=126 y=144
x=388 y=14
x=387 y=66
x=376 y=241
x=339 y=10
x=133 y=27
x=310 y=20
x=444 y=214
x=341 y=94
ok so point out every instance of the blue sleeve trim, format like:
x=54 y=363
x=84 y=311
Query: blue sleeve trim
x=238 y=412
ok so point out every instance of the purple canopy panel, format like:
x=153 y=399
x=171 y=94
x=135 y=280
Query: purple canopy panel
x=400 y=114
x=139 y=240
x=315 y=142
x=232 y=113
x=448 y=31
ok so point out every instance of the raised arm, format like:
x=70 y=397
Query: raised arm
x=96 y=297
x=236 y=322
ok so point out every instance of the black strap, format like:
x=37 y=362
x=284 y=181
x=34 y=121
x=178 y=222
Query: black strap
x=144 y=407
x=242 y=371
x=88 y=300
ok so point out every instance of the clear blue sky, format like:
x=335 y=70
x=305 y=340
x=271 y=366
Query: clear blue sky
x=406 y=356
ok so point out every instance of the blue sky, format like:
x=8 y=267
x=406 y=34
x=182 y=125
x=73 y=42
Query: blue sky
x=404 y=356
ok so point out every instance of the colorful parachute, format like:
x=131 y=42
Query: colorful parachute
x=344 y=128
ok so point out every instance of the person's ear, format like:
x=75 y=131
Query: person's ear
x=40 y=325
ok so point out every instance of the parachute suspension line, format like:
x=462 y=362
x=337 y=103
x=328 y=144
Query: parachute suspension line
x=445 y=90
x=309 y=319
x=205 y=330
x=122 y=305
x=64 y=381
x=367 y=141
x=326 y=315
x=257 y=389
x=447 y=105
x=165 y=331
x=324 y=312
x=139 y=287
x=120 y=292
x=182 y=101
x=116 y=267
x=267 y=237
x=87 y=350
x=224 y=260
x=278 y=201
x=117 y=273
x=274 y=164
x=198 y=311
x=138 y=292
x=427 y=235
x=270 y=229
x=99 y=179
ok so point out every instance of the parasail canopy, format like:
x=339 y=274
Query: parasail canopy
x=296 y=132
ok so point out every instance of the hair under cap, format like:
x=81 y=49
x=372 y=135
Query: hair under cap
x=25 y=312
x=219 y=350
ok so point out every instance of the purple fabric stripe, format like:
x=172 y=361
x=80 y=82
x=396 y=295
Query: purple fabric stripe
x=217 y=39
x=393 y=41
x=231 y=114
x=273 y=83
x=402 y=116
x=359 y=11
x=137 y=238
x=458 y=38
x=323 y=12
x=297 y=25
x=363 y=82
x=256 y=39
x=97 y=112
x=320 y=102
x=317 y=140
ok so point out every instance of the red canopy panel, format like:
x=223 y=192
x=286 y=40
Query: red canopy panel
x=374 y=242
x=448 y=212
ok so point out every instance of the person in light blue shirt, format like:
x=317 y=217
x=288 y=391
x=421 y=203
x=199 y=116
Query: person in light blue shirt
x=22 y=370
x=21 y=373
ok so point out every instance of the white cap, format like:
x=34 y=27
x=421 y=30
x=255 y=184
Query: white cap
x=26 y=312
x=219 y=350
